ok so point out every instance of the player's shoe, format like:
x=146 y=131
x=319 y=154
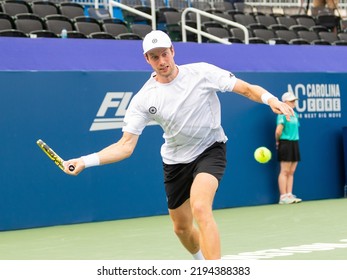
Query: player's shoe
x=296 y=199
x=286 y=200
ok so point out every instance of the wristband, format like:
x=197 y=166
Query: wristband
x=91 y=160
x=266 y=96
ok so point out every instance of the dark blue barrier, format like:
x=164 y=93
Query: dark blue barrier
x=116 y=55
x=63 y=108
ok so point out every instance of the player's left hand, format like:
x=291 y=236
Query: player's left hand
x=282 y=108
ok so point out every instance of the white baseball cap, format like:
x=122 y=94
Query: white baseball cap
x=289 y=96
x=156 y=39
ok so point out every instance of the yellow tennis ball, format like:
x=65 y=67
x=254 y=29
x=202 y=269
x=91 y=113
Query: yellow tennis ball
x=262 y=155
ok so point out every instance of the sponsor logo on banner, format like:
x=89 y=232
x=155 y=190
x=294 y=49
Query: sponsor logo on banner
x=317 y=100
x=112 y=111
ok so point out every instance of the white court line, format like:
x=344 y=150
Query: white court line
x=287 y=251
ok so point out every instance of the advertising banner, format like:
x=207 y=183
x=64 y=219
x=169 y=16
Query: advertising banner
x=78 y=113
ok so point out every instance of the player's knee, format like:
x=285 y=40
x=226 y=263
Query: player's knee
x=181 y=230
x=285 y=172
x=201 y=211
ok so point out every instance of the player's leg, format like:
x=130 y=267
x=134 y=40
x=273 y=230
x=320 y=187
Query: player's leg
x=290 y=176
x=332 y=4
x=319 y=3
x=283 y=179
x=290 y=182
x=184 y=228
x=194 y=180
x=201 y=199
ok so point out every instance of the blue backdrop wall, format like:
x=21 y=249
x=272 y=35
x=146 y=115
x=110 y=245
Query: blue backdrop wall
x=73 y=95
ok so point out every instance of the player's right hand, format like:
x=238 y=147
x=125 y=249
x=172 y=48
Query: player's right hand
x=73 y=166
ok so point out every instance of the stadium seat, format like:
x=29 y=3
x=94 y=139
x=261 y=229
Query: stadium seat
x=140 y=29
x=204 y=6
x=130 y=17
x=13 y=33
x=14 y=7
x=160 y=13
x=172 y=25
x=305 y=20
x=226 y=16
x=207 y=24
x=86 y=25
x=43 y=34
x=76 y=35
x=223 y=6
x=235 y=40
x=44 y=8
x=238 y=33
x=113 y=20
x=299 y=41
x=6 y=22
x=318 y=28
x=331 y=37
x=71 y=9
x=245 y=19
x=342 y=36
x=249 y=21
x=266 y=20
x=99 y=13
x=28 y=22
x=298 y=27
x=286 y=20
x=278 y=26
x=265 y=34
x=56 y=23
x=320 y=42
x=330 y=21
x=114 y=28
x=309 y=36
x=128 y=36
x=244 y=8
x=180 y=5
x=286 y=35
x=340 y=43
x=193 y=17
x=101 y=35
x=256 y=40
x=219 y=32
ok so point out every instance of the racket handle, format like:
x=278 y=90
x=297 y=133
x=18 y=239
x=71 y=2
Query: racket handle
x=71 y=167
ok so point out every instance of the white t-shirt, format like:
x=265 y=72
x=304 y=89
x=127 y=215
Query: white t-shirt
x=188 y=110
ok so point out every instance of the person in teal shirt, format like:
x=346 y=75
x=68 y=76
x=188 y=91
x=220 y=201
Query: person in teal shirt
x=288 y=152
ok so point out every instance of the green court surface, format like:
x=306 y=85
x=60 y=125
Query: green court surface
x=311 y=230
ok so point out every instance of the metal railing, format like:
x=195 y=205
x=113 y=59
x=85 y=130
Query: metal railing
x=341 y=8
x=201 y=33
x=184 y=26
x=342 y=5
x=151 y=17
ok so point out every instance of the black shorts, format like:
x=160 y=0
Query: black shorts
x=178 y=178
x=288 y=151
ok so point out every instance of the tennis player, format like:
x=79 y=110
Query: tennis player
x=183 y=100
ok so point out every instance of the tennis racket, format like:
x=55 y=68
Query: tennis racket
x=53 y=155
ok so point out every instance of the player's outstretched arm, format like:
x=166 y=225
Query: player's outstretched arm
x=113 y=153
x=261 y=95
x=279 y=107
